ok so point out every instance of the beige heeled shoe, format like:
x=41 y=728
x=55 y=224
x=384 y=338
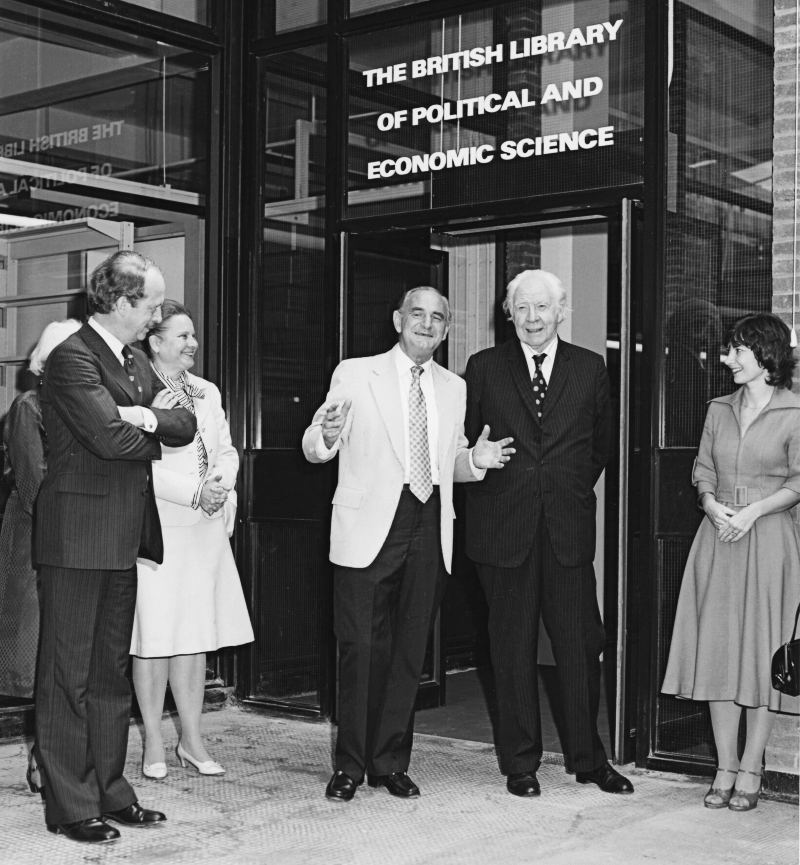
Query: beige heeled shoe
x=207 y=767
x=741 y=801
x=718 y=797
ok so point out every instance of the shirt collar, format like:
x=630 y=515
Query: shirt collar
x=404 y=363
x=108 y=338
x=550 y=349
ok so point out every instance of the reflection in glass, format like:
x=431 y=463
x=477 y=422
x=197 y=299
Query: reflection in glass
x=96 y=110
x=719 y=231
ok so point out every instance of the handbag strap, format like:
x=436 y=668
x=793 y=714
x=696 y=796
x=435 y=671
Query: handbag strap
x=796 y=617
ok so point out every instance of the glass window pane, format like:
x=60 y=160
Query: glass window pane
x=189 y=10
x=95 y=108
x=290 y=574
x=293 y=250
x=719 y=228
x=104 y=143
x=509 y=101
x=296 y=14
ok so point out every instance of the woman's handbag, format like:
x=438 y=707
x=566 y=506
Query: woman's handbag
x=786 y=664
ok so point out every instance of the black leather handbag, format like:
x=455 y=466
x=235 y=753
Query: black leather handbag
x=786 y=664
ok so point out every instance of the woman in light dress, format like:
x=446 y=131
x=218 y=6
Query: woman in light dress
x=192 y=603
x=741 y=584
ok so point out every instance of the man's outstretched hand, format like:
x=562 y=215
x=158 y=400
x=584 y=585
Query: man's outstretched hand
x=491 y=455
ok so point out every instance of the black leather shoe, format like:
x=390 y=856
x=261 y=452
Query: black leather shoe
x=341 y=787
x=398 y=784
x=607 y=779
x=135 y=815
x=523 y=784
x=34 y=778
x=91 y=831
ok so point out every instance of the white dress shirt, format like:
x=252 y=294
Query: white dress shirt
x=547 y=364
x=149 y=422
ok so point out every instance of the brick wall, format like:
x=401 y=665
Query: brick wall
x=782 y=751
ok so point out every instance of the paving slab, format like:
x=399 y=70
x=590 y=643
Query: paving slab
x=269 y=808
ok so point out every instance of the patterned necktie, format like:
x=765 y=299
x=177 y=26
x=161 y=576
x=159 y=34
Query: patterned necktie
x=130 y=365
x=539 y=384
x=420 y=480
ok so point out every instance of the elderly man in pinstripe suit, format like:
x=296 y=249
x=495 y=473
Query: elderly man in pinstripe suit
x=95 y=514
x=531 y=528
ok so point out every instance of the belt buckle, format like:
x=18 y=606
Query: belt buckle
x=740 y=496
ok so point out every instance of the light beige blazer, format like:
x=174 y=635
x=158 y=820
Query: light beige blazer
x=371 y=455
x=176 y=475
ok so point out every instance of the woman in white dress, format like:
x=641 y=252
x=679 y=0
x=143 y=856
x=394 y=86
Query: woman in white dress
x=192 y=603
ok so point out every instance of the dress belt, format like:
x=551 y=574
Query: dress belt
x=434 y=492
x=740 y=496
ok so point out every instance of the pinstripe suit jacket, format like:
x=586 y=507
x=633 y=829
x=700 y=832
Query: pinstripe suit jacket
x=556 y=463
x=96 y=504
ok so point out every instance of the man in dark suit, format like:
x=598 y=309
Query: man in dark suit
x=531 y=528
x=94 y=515
x=396 y=421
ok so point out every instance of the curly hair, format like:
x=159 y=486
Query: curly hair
x=120 y=275
x=768 y=337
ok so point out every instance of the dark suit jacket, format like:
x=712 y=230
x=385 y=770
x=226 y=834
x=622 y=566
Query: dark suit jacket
x=556 y=464
x=96 y=508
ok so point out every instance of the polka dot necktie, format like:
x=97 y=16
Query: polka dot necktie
x=130 y=365
x=539 y=384
x=420 y=479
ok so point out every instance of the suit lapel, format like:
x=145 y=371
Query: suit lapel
x=201 y=410
x=520 y=375
x=108 y=360
x=385 y=387
x=445 y=409
x=558 y=377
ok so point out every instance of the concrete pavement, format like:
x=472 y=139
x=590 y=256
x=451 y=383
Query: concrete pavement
x=270 y=808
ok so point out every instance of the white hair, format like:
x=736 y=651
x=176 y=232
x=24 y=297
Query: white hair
x=535 y=278
x=54 y=334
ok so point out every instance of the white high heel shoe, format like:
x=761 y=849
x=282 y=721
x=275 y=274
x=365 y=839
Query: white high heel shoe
x=207 y=767
x=156 y=771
